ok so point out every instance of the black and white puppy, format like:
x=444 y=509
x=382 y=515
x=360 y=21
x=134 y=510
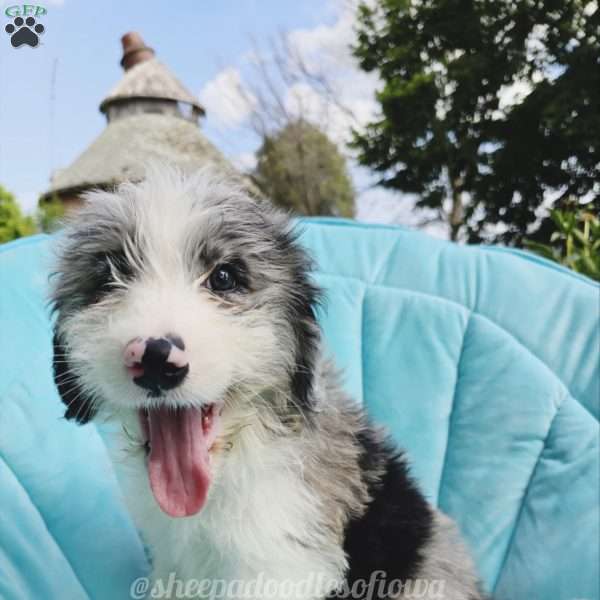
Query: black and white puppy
x=185 y=313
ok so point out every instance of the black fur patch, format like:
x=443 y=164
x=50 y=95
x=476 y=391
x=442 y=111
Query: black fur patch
x=79 y=406
x=101 y=279
x=307 y=340
x=301 y=314
x=398 y=522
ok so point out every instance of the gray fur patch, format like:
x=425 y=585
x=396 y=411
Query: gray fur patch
x=446 y=560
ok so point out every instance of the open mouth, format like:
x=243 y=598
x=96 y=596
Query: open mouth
x=178 y=442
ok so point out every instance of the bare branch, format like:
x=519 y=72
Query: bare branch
x=281 y=70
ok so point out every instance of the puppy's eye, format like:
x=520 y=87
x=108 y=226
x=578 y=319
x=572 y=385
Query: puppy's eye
x=223 y=279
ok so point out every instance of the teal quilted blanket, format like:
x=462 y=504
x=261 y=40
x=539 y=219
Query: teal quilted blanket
x=482 y=362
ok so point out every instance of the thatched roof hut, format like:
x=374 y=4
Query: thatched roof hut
x=150 y=115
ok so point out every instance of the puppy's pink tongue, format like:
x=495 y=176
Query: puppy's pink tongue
x=178 y=465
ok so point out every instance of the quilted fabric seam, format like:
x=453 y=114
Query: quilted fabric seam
x=453 y=406
x=37 y=508
x=471 y=312
x=509 y=546
x=384 y=260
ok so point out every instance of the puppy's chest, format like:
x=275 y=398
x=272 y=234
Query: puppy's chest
x=266 y=527
x=264 y=563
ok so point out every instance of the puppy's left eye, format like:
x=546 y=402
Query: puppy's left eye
x=223 y=279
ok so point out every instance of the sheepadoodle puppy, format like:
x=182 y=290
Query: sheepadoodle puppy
x=185 y=314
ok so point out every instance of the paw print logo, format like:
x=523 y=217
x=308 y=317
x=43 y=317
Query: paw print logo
x=24 y=32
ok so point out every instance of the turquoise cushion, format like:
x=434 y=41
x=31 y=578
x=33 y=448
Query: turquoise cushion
x=481 y=362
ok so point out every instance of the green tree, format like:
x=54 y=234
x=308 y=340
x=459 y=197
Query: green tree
x=301 y=169
x=13 y=224
x=446 y=131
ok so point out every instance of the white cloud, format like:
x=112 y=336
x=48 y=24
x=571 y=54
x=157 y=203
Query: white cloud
x=328 y=42
x=375 y=204
x=379 y=205
x=302 y=100
x=334 y=118
x=224 y=100
x=326 y=50
x=246 y=161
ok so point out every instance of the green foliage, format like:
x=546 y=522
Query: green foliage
x=575 y=242
x=13 y=224
x=49 y=214
x=300 y=169
x=444 y=132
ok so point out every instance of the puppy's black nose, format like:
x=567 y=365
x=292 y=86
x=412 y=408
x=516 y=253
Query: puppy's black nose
x=163 y=364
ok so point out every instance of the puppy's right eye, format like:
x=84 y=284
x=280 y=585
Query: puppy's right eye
x=223 y=278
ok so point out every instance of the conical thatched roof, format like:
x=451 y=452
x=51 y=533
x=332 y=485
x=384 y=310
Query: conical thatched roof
x=146 y=122
x=150 y=79
x=120 y=152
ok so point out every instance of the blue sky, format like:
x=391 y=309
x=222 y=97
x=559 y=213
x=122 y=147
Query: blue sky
x=49 y=95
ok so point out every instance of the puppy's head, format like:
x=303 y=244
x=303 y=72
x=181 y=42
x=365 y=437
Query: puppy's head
x=181 y=301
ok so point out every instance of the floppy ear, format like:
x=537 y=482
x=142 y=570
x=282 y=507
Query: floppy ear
x=307 y=334
x=79 y=406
